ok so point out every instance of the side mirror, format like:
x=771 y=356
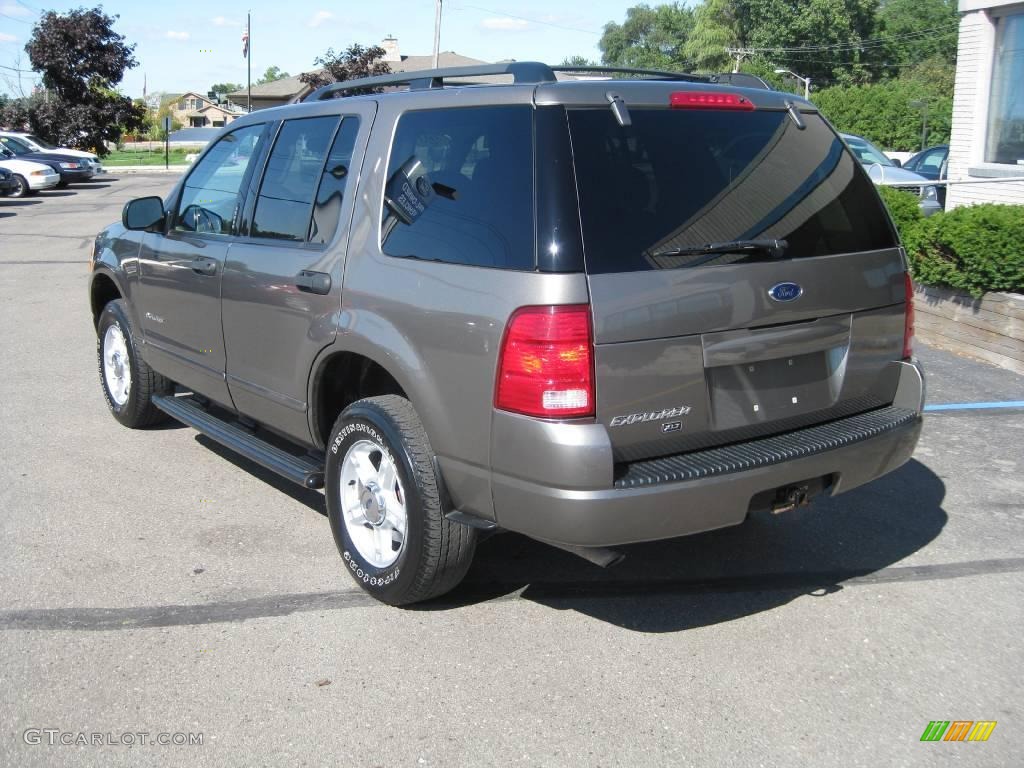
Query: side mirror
x=143 y=213
x=897 y=162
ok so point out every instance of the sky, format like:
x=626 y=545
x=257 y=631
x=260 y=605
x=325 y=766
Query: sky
x=189 y=45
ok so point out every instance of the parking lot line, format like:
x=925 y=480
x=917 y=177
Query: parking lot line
x=974 y=406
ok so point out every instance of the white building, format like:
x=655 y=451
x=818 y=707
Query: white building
x=987 y=139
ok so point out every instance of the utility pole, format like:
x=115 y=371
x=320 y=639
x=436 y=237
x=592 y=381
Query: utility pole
x=437 y=30
x=739 y=53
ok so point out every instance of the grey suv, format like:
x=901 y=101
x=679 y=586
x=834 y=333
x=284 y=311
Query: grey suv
x=593 y=312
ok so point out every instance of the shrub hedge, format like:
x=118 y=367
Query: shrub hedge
x=976 y=248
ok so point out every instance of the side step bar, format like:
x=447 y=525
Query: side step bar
x=303 y=470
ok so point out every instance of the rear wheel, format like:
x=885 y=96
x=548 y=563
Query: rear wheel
x=384 y=507
x=21 y=187
x=128 y=383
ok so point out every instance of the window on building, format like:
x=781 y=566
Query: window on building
x=1006 y=105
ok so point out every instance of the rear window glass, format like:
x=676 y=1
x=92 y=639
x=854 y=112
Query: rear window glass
x=460 y=187
x=679 y=179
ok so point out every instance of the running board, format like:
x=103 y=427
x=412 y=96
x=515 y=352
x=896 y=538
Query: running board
x=303 y=470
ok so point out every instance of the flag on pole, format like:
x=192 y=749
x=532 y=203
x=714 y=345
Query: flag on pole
x=245 y=42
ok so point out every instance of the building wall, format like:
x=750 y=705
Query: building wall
x=970 y=111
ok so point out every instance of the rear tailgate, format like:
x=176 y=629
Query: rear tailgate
x=702 y=349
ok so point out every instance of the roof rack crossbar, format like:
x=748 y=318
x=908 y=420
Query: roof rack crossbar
x=521 y=71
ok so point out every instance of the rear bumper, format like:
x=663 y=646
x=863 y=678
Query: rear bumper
x=662 y=507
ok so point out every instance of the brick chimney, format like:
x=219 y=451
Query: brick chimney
x=390 y=46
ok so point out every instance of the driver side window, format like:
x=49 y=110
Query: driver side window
x=211 y=193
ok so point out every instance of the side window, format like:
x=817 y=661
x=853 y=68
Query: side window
x=331 y=193
x=210 y=196
x=460 y=187
x=932 y=161
x=290 y=180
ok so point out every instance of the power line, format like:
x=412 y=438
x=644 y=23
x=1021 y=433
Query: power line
x=862 y=44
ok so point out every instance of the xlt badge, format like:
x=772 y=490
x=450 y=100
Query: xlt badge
x=637 y=418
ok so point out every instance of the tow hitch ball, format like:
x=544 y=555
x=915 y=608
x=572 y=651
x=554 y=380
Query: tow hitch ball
x=788 y=499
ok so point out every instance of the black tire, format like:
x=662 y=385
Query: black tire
x=436 y=552
x=62 y=184
x=21 y=188
x=137 y=410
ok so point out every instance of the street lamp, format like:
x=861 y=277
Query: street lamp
x=805 y=80
x=923 y=106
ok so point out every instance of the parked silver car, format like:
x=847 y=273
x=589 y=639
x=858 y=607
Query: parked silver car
x=885 y=171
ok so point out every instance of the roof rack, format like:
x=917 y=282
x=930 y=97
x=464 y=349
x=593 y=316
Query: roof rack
x=523 y=72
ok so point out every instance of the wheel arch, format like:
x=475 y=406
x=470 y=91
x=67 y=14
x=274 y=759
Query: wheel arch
x=103 y=288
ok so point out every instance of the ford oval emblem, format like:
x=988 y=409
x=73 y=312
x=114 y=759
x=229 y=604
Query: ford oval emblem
x=786 y=292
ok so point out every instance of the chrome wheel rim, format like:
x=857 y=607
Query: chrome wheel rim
x=373 y=503
x=117 y=371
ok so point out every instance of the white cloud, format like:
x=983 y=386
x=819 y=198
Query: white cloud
x=505 y=24
x=319 y=18
x=223 y=21
x=13 y=9
x=5 y=38
x=172 y=35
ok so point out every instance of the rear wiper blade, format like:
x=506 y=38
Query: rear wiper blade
x=775 y=248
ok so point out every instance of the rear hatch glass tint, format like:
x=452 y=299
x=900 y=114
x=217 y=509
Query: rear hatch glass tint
x=678 y=180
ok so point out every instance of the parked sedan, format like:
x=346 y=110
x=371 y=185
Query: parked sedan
x=71 y=169
x=35 y=144
x=884 y=171
x=30 y=177
x=932 y=163
x=7 y=184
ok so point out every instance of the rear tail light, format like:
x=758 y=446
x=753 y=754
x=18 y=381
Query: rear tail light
x=546 y=363
x=908 y=323
x=709 y=100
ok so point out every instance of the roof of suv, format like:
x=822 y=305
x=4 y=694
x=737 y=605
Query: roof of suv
x=541 y=84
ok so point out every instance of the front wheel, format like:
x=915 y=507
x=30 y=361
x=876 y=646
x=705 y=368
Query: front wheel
x=384 y=505
x=128 y=382
x=21 y=187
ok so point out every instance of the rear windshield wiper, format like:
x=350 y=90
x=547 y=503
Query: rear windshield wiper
x=774 y=248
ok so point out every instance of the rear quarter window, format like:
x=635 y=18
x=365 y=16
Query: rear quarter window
x=460 y=187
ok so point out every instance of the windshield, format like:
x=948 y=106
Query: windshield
x=867 y=152
x=676 y=181
x=40 y=142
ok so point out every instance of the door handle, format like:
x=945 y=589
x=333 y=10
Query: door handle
x=313 y=282
x=204 y=266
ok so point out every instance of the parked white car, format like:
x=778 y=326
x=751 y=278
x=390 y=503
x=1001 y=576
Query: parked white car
x=36 y=144
x=30 y=177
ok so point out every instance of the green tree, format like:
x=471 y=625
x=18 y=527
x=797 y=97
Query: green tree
x=649 y=38
x=578 y=61
x=352 y=63
x=919 y=30
x=881 y=112
x=226 y=87
x=717 y=27
x=820 y=39
x=272 y=74
x=82 y=60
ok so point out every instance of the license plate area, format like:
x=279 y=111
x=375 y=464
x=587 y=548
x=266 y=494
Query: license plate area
x=769 y=390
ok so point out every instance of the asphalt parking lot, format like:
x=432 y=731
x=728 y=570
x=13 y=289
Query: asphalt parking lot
x=153 y=583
